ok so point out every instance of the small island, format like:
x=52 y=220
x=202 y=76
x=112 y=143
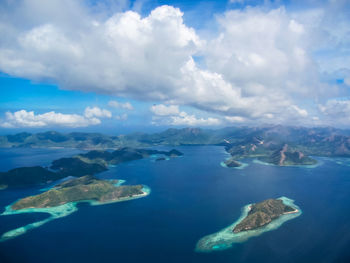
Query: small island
x=232 y=163
x=255 y=220
x=63 y=198
x=263 y=213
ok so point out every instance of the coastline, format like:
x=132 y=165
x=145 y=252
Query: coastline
x=57 y=212
x=226 y=238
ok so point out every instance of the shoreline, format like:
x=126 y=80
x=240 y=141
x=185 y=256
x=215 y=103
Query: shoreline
x=226 y=238
x=56 y=212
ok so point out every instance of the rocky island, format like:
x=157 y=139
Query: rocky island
x=255 y=220
x=263 y=213
x=232 y=163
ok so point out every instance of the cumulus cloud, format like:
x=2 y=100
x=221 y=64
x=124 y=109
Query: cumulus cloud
x=91 y=112
x=23 y=118
x=171 y=115
x=184 y=119
x=258 y=65
x=120 y=105
x=163 y=110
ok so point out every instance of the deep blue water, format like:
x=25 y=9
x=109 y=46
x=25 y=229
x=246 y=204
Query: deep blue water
x=191 y=197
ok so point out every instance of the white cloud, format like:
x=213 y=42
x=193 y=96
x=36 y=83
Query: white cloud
x=116 y=104
x=336 y=108
x=91 y=112
x=163 y=110
x=299 y=111
x=347 y=81
x=171 y=115
x=258 y=66
x=335 y=112
x=234 y=119
x=184 y=119
x=25 y=118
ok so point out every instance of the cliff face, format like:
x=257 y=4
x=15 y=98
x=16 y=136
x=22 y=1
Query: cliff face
x=262 y=214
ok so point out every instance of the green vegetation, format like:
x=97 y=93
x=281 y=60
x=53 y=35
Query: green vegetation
x=265 y=143
x=25 y=176
x=263 y=213
x=283 y=157
x=90 y=163
x=80 y=189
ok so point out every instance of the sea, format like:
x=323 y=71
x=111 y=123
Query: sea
x=191 y=197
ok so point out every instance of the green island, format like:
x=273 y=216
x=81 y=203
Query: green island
x=62 y=199
x=90 y=163
x=255 y=220
x=78 y=189
x=263 y=213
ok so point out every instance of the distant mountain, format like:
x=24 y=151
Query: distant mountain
x=240 y=142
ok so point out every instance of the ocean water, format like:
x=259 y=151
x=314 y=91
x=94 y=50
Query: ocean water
x=192 y=196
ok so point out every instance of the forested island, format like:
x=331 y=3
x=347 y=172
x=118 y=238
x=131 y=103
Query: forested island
x=261 y=214
x=86 y=188
x=90 y=163
x=255 y=220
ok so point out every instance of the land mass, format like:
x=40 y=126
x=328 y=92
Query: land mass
x=255 y=220
x=263 y=213
x=232 y=163
x=90 y=163
x=264 y=143
x=80 y=189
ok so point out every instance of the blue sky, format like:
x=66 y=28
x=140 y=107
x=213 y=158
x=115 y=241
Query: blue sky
x=121 y=66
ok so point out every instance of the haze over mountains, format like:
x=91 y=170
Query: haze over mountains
x=242 y=141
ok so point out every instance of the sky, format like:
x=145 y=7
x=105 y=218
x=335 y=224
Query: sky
x=118 y=66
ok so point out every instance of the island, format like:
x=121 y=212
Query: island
x=255 y=220
x=80 y=189
x=90 y=163
x=263 y=213
x=62 y=199
x=232 y=163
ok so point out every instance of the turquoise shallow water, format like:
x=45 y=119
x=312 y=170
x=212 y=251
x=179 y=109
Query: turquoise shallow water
x=225 y=238
x=192 y=197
